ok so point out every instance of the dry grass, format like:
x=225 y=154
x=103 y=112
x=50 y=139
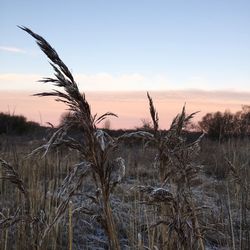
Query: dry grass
x=75 y=193
x=176 y=219
x=133 y=211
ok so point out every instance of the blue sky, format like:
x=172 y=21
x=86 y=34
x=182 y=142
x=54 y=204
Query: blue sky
x=129 y=45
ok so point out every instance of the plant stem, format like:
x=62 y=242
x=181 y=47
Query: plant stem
x=70 y=227
x=230 y=218
x=110 y=224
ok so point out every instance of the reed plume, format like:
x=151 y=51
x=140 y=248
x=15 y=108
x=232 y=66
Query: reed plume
x=95 y=145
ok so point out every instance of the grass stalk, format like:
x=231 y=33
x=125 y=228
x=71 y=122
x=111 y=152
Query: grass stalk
x=70 y=227
x=230 y=219
x=6 y=234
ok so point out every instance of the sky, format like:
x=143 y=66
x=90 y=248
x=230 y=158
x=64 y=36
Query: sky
x=194 y=47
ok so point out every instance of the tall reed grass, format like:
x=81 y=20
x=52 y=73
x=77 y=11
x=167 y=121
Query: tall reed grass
x=74 y=192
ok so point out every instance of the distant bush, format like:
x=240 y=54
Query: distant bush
x=220 y=125
x=16 y=124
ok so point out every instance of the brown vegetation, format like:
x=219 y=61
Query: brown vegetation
x=75 y=193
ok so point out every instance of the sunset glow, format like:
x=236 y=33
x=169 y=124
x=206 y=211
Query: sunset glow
x=131 y=107
x=193 y=52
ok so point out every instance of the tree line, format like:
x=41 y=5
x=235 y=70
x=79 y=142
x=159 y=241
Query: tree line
x=16 y=124
x=221 y=125
x=217 y=125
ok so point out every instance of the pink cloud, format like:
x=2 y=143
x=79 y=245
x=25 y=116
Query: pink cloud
x=131 y=107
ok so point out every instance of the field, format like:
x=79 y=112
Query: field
x=83 y=187
x=220 y=193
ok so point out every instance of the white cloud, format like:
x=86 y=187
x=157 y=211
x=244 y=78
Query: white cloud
x=88 y=82
x=133 y=81
x=24 y=82
x=12 y=49
x=192 y=82
x=197 y=82
x=106 y=82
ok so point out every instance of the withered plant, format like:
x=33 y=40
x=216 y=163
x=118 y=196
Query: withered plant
x=21 y=215
x=96 y=149
x=178 y=221
x=238 y=187
x=166 y=214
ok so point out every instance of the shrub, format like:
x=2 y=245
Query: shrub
x=16 y=124
x=220 y=125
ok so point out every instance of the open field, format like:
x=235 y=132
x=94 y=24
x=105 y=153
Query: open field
x=220 y=192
